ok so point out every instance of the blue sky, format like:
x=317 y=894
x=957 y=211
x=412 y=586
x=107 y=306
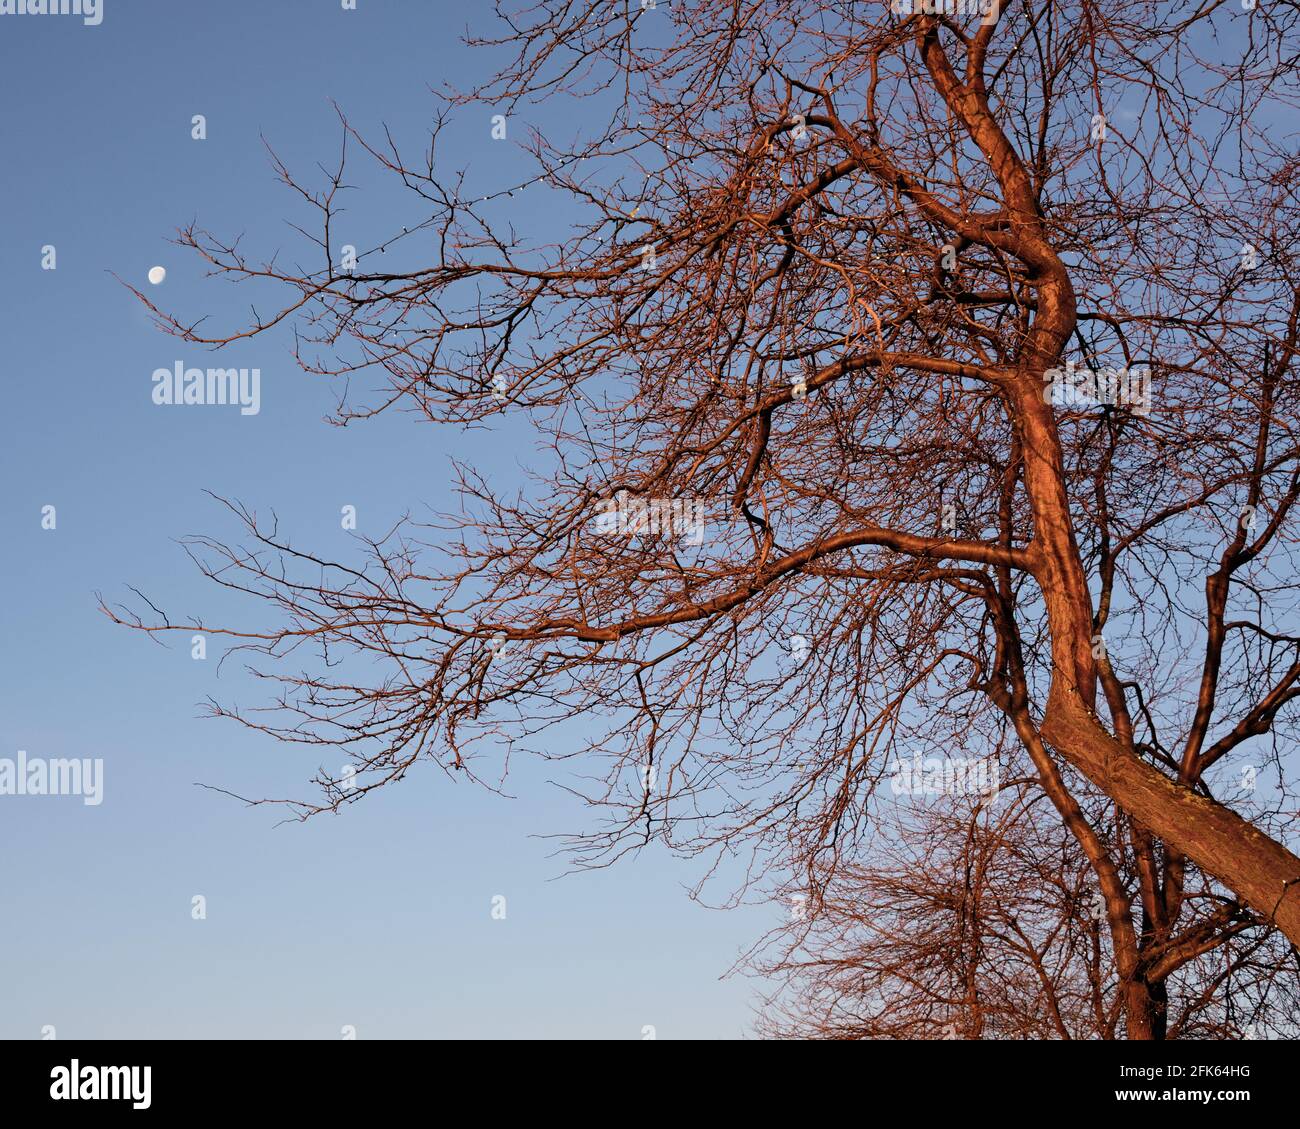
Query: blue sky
x=378 y=918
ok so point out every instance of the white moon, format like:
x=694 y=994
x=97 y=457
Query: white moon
x=156 y=275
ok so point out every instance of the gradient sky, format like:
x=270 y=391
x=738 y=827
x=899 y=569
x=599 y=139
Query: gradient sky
x=380 y=917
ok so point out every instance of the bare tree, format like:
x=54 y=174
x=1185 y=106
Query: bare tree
x=981 y=918
x=831 y=264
